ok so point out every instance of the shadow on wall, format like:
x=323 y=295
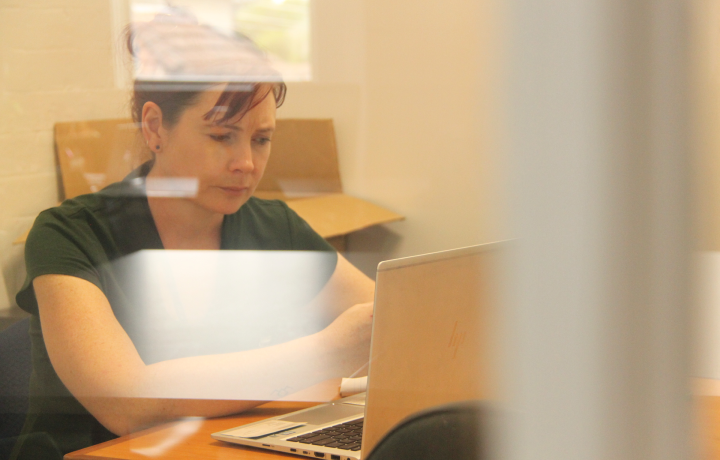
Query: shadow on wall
x=367 y=248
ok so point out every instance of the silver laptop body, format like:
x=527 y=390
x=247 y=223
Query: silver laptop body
x=431 y=344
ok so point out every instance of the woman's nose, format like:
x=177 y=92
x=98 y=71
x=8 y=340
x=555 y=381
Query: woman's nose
x=242 y=160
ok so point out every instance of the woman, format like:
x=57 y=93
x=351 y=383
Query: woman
x=90 y=383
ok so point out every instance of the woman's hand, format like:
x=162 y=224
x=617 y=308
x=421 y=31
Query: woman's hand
x=349 y=337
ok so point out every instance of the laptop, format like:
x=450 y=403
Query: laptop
x=432 y=343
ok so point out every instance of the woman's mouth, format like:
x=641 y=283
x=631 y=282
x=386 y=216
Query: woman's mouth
x=234 y=190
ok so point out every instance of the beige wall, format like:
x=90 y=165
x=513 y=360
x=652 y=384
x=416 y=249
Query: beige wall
x=56 y=65
x=410 y=86
x=431 y=150
x=413 y=88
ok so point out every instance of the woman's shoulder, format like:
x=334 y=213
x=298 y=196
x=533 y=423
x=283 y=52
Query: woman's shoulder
x=87 y=221
x=71 y=227
x=77 y=208
x=93 y=205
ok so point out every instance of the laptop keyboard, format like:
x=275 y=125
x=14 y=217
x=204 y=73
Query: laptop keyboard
x=346 y=436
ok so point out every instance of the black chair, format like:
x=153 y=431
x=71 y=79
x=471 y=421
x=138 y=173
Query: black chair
x=457 y=431
x=15 y=370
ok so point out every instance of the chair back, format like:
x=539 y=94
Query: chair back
x=458 y=431
x=15 y=370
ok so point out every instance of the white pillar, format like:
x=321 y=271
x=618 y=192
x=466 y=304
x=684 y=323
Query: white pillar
x=598 y=335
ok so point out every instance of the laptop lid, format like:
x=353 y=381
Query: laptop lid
x=432 y=334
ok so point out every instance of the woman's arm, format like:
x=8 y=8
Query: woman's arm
x=97 y=361
x=347 y=286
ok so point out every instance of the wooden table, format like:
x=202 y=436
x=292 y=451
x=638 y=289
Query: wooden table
x=707 y=415
x=190 y=438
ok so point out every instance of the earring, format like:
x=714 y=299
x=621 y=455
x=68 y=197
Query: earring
x=157 y=147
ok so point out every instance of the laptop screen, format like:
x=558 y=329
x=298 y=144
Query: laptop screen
x=432 y=334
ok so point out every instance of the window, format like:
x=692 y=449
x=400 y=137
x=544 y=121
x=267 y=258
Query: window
x=281 y=28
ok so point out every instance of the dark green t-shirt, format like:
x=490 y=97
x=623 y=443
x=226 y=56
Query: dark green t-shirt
x=84 y=237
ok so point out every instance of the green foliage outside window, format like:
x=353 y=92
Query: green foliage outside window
x=282 y=28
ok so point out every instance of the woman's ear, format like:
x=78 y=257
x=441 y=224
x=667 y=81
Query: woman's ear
x=152 y=126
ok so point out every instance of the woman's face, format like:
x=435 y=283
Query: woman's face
x=228 y=159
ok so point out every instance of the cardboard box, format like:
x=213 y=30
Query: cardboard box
x=303 y=171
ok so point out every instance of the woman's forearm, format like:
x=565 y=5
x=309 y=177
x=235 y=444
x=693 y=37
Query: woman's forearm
x=261 y=374
x=215 y=385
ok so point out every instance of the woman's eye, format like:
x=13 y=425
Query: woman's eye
x=221 y=137
x=262 y=140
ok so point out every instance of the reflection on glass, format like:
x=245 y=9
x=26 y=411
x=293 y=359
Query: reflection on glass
x=174 y=436
x=176 y=304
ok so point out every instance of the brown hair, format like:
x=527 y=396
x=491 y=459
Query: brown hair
x=235 y=102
